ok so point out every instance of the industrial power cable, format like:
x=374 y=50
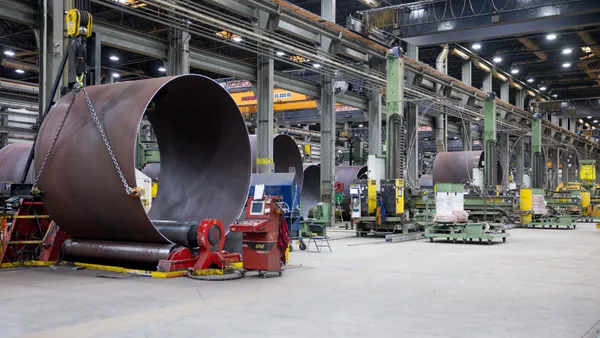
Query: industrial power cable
x=236 y=274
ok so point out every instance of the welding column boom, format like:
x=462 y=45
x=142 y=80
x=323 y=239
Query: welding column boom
x=537 y=159
x=395 y=113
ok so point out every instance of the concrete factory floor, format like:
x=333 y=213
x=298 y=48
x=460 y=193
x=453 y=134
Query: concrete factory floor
x=541 y=283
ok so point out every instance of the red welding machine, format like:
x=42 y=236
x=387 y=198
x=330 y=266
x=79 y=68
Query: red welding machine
x=265 y=236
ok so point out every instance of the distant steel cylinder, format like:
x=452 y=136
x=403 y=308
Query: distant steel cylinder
x=286 y=156
x=13 y=159
x=204 y=151
x=457 y=166
x=149 y=253
x=311 y=187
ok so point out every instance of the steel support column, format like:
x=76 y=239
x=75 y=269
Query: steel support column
x=520 y=98
x=179 y=52
x=487 y=83
x=264 y=95
x=466 y=77
x=520 y=165
x=565 y=167
x=504 y=91
x=51 y=47
x=441 y=126
x=555 y=158
x=375 y=123
x=328 y=10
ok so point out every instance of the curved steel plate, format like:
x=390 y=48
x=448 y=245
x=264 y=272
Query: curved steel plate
x=204 y=149
x=13 y=159
x=457 y=166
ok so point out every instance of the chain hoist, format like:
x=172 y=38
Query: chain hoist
x=79 y=27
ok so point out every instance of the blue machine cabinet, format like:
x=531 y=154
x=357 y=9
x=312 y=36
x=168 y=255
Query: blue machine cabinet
x=282 y=184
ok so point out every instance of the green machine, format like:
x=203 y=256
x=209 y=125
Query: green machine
x=533 y=204
x=147 y=146
x=455 y=226
x=318 y=214
x=378 y=203
x=451 y=221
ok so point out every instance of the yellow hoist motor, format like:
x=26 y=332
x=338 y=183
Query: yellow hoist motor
x=78 y=23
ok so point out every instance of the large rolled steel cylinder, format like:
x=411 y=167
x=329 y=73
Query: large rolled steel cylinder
x=457 y=166
x=204 y=150
x=285 y=156
x=13 y=159
x=348 y=175
x=311 y=187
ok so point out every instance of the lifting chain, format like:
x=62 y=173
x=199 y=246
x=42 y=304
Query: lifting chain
x=135 y=191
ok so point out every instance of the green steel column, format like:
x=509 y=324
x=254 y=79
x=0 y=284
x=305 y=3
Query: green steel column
x=536 y=161
x=489 y=141
x=394 y=96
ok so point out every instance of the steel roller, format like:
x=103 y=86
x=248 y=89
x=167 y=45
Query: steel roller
x=13 y=159
x=285 y=156
x=457 y=166
x=204 y=149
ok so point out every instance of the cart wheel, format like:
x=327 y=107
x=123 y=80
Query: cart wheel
x=448 y=238
x=574 y=225
x=454 y=240
x=302 y=246
x=280 y=273
x=568 y=227
x=543 y=226
x=480 y=239
x=503 y=239
x=470 y=239
x=557 y=226
x=357 y=234
x=489 y=241
x=264 y=275
x=464 y=241
x=431 y=239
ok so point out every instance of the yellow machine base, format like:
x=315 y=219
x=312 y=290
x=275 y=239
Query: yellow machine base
x=153 y=274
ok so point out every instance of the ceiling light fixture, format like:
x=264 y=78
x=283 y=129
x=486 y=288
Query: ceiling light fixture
x=530 y=80
x=317 y=65
x=9 y=53
x=116 y=75
x=514 y=71
x=566 y=65
x=237 y=39
x=497 y=59
x=595 y=121
x=114 y=58
x=280 y=53
x=589 y=117
x=567 y=51
x=20 y=71
x=543 y=88
x=554 y=95
x=551 y=37
x=476 y=46
x=162 y=69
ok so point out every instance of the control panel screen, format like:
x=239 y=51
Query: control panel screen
x=257 y=208
x=353 y=191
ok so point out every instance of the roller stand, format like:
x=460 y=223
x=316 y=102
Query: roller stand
x=210 y=254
